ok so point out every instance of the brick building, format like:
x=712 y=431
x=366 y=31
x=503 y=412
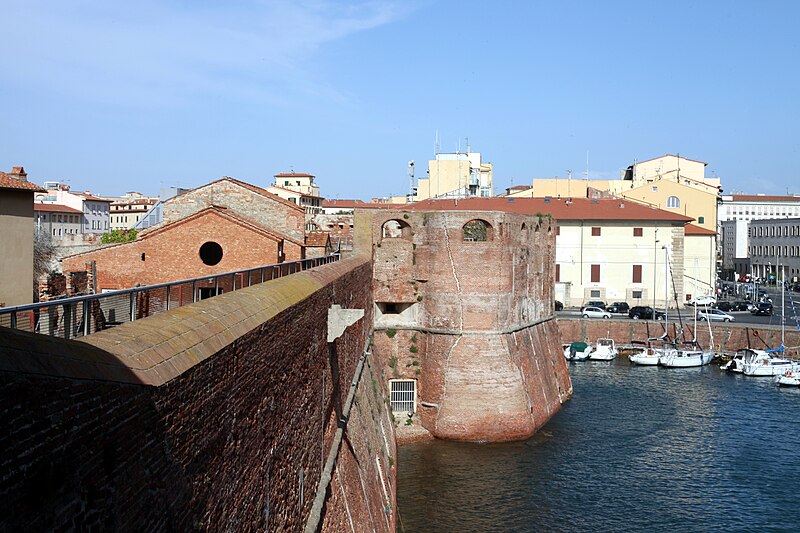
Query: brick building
x=212 y=241
x=250 y=202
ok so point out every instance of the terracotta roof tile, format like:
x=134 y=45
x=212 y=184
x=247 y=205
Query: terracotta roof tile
x=9 y=182
x=55 y=208
x=317 y=238
x=558 y=208
x=760 y=198
x=691 y=229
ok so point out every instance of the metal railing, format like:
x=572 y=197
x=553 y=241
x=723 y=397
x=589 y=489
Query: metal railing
x=79 y=316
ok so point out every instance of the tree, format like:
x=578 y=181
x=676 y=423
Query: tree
x=44 y=251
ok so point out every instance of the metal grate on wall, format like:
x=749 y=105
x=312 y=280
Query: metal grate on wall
x=403 y=395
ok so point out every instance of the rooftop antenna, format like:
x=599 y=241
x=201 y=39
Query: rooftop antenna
x=436 y=143
x=587 y=165
x=469 y=148
x=411 y=178
x=569 y=183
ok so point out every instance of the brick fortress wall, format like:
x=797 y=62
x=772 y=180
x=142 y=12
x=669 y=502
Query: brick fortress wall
x=215 y=416
x=471 y=322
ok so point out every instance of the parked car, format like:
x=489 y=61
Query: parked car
x=618 y=307
x=559 y=306
x=595 y=312
x=594 y=303
x=702 y=300
x=733 y=305
x=715 y=315
x=644 y=312
x=725 y=306
x=762 y=308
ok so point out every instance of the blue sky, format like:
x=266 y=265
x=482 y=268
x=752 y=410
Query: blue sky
x=120 y=96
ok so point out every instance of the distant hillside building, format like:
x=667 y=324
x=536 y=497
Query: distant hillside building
x=16 y=237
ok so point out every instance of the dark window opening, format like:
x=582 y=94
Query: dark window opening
x=595 y=232
x=595 y=273
x=638 y=232
x=211 y=253
x=392 y=308
x=477 y=231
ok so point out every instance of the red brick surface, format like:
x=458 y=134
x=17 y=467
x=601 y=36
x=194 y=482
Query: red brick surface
x=172 y=253
x=493 y=376
x=220 y=445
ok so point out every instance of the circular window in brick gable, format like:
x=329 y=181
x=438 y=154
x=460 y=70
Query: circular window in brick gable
x=211 y=253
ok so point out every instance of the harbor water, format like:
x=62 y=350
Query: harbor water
x=635 y=449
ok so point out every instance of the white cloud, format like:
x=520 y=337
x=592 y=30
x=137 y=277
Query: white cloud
x=148 y=53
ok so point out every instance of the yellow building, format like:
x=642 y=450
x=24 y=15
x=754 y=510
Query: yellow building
x=668 y=182
x=456 y=175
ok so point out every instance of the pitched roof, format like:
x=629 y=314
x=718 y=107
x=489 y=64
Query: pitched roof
x=293 y=191
x=7 y=181
x=692 y=229
x=764 y=198
x=317 y=238
x=558 y=208
x=258 y=190
x=344 y=204
x=225 y=213
x=671 y=155
x=55 y=208
x=92 y=198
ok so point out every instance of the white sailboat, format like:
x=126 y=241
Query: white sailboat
x=650 y=355
x=790 y=378
x=690 y=355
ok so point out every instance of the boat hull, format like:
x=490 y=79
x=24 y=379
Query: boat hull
x=686 y=359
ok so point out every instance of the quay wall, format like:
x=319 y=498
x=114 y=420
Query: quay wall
x=215 y=416
x=727 y=337
x=468 y=320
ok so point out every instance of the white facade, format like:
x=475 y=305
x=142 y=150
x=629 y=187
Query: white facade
x=758 y=207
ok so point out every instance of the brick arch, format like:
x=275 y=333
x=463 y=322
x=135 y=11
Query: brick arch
x=477 y=230
x=396 y=229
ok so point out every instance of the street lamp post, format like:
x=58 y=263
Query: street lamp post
x=655 y=264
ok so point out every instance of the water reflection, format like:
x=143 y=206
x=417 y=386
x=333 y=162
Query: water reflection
x=636 y=449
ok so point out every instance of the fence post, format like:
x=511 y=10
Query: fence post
x=168 y=286
x=13 y=315
x=216 y=285
x=86 y=324
x=67 y=321
x=132 y=296
x=194 y=291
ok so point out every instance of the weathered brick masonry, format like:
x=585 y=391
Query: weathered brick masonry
x=470 y=321
x=215 y=416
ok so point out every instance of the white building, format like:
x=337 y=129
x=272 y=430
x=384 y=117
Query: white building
x=299 y=189
x=96 y=211
x=734 y=247
x=758 y=207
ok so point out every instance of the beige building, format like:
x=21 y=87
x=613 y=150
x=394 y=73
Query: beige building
x=16 y=237
x=127 y=210
x=299 y=189
x=456 y=175
x=669 y=182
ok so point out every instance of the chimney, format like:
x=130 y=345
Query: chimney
x=18 y=173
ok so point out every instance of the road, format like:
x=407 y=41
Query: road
x=740 y=317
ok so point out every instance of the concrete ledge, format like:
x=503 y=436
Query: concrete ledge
x=157 y=349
